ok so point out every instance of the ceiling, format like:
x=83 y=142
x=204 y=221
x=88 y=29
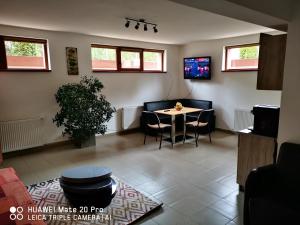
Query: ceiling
x=177 y=24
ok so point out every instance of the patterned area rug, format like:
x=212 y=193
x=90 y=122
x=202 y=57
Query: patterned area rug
x=128 y=206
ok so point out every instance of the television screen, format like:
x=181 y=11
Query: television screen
x=197 y=68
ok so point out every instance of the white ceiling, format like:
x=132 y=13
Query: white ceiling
x=177 y=24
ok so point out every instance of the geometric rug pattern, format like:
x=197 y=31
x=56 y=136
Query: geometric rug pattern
x=128 y=206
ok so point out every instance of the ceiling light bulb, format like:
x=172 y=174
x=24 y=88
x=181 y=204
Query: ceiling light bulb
x=145 y=27
x=127 y=24
x=137 y=26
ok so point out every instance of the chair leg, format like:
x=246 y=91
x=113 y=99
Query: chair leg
x=197 y=140
x=196 y=137
x=209 y=133
x=145 y=138
x=171 y=138
x=161 y=135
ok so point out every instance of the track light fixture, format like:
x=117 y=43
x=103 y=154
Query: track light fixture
x=139 y=22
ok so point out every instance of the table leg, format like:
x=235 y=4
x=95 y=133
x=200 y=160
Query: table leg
x=184 y=127
x=173 y=128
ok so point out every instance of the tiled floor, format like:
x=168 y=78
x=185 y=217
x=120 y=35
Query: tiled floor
x=196 y=185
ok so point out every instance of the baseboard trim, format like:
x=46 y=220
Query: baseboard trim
x=21 y=152
x=226 y=131
x=27 y=151
x=128 y=131
x=70 y=142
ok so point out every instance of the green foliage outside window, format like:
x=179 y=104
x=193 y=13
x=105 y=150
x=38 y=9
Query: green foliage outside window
x=150 y=56
x=103 y=54
x=249 y=52
x=110 y=54
x=14 y=48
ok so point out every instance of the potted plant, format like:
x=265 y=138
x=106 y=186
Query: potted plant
x=83 y=110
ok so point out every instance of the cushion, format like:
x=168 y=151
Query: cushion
x=266 y=211
x=201 y=104
x=157 y=105
x=195 y=124
x=161 y=125
x=13 y=193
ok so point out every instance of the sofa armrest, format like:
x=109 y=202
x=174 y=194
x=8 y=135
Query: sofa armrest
x=259 y=182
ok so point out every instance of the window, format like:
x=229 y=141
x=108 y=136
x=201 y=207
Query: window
x=130 y=59
x=126 y=59
x=153 y=60
x=241 y=57
x=19 y=54
x=104 y=58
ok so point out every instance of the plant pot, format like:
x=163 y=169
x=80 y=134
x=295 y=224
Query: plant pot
x=91 y=141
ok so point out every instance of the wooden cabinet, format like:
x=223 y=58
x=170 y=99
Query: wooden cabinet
x=253 y=151
x=271 y=62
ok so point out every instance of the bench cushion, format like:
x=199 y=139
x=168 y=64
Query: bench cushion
x=13 y=193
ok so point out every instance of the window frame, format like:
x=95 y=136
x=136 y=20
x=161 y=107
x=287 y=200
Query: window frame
x=3 y=56
x=104 y=46
x=130 y=70
x=225 y=69
x=127 y=49
x=162 y=59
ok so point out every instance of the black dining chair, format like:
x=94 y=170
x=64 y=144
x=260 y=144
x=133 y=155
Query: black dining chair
x=202 y=122
x=153 y=124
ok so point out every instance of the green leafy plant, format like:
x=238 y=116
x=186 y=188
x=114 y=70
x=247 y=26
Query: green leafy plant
x=83 y=110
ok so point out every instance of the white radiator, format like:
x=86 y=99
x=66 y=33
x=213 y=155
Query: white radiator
x=21 y=134
x=243 y=119
x=131 y=117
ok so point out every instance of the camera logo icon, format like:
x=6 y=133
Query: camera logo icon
x=16 y=213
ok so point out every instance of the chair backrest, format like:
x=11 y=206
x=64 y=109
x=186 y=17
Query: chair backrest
x=151 y=118
x=205 y=116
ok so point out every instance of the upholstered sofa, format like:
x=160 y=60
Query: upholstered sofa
x=166 y=104
x=272 y=193
x=13 y=193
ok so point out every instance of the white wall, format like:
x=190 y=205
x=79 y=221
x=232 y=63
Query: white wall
x=227 y=90
x=31 y=94
x=289 y=125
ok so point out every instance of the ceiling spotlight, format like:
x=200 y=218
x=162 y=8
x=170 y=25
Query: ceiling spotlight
x=140 y=23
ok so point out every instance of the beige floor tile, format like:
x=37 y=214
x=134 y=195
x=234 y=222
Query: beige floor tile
x=208 y=216
x=187 y=178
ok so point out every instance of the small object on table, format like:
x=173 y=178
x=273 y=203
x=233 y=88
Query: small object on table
x=178 y=106
x=88 y=186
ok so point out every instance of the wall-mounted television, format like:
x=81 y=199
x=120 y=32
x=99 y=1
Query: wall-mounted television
x=197 y=68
